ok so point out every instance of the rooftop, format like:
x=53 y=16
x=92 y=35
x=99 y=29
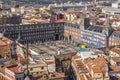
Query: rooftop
x=5 y=41
x=56 y=75
x=116 y=59
x=92 y=53
x=116 y=34
x=52 y=48
x=115 y=68
x=15 y=69
x=72 y=11
x=84 y=67
x=116 y=50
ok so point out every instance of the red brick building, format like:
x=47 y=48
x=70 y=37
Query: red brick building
x=72 y=32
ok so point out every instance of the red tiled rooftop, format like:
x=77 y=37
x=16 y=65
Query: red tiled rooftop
x=96 y=69
x=96 y=64
x=116 y=59
x=115 y=68
x=73 y=11
x=118 y=30
x=14 y=69
x=4 y=41
x=51 y=62
x=116 y=50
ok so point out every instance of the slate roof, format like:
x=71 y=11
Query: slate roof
x=116 y=34
x=100 y=29
x=96 y=28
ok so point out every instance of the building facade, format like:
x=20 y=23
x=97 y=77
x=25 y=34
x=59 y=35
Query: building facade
x=63 y=7
x=96 y=36
x=93 y=36
x=35 y=32
x=93 y=39
x=114 y=39
x=72 y=31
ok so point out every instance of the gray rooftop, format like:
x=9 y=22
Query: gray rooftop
x=52 y=48
x=116 y=34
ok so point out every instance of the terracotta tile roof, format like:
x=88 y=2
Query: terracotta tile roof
x=76 y=57
x=81 y=68
x=51 y=62
x=118 y=29
x=14 y=69
x=116 y=50
x=82 y=77
x=2 y=43
x=96 y=65
x=115 y=68
x=4 y=46
x=73 y=11
x=56 y=75
x=100 y=61
x=5 y=41
x=116 y=59
x=87 y=60
x=96 y=69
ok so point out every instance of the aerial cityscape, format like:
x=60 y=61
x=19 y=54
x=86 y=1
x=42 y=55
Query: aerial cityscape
x=59 y=39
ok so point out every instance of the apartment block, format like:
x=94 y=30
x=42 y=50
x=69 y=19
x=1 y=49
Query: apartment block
x=94 y=37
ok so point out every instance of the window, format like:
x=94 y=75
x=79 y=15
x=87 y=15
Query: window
x=42 y=67
x=52 y=75
x=31 y=69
